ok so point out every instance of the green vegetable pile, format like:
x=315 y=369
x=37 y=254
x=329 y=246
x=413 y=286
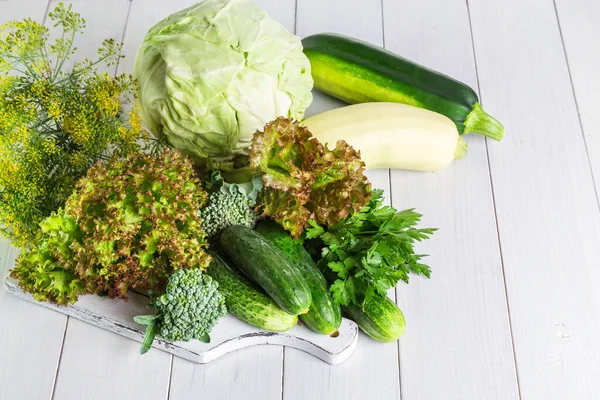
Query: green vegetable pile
x=300 y=232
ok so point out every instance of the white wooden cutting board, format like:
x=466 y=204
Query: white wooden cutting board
x=230 y=333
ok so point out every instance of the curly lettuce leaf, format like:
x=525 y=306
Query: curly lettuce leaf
x=305 y=180
x=340 y=188
x=46 y=270
x=284 y=152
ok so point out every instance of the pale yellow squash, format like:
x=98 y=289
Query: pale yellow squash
x=391 y=135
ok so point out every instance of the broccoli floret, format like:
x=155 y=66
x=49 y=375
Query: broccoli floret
x=189 y=308
x=226 y=209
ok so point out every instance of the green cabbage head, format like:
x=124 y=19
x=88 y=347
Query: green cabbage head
x=214 y=73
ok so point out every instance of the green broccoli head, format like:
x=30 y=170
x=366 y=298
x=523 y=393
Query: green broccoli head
x=229 y=204
x=188 y=309
x=190 y=306
x=224 y=210
x=47 y=269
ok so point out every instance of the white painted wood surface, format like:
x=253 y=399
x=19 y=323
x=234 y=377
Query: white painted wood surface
x=465 y=297
x=546 y=207
x=512 y=309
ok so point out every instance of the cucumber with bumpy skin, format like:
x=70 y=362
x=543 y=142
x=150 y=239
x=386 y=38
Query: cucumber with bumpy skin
x=324 y=315
x=246 y=301
x=268 y=266
x=358 y=72
x=380 y=318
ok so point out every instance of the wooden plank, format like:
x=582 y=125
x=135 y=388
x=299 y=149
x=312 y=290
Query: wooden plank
x=104 y=19
x=110 y=353
x=579 y=27
x=457 y=325
x=143 y=15
x=30 y=337
x=547 y=212
x=239 y=375
x=97 y=364
x=372 y=372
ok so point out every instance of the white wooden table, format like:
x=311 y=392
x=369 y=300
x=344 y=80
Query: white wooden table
x=513 y=306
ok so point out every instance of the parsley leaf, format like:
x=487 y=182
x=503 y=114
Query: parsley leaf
x=370 y=251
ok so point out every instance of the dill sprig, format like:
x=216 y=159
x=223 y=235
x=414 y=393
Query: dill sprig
x=56 y=122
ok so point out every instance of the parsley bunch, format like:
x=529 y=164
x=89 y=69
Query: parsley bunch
x=370 y=252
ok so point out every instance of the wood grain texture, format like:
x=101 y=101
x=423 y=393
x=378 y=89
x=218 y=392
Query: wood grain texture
x=30 y=337
x=457 y=323
x=579 y=27
x=97 y=364
x=105 y=19
x=547 y=211
x=251 y=373
x=372 y=372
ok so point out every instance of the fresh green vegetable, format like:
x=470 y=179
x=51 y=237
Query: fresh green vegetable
x=324 y=316
x=130 y=225
x=358 y=72
x=268 y=266
x=47 y=269
x=246 y=301
x=214 y=73
x=229 y=204
x=139 y=223
x=305 y=180
x=380 y=318
x=370 y=251
x=55 y=122
x=188 y=309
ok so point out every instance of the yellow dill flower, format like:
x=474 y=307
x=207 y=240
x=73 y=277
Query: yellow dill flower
x=54 y=125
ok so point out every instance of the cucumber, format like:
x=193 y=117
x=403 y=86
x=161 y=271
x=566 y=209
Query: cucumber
x=246 y=301
x=324 y=316
x=268 y=266
x=358 y=72
x=380 y=318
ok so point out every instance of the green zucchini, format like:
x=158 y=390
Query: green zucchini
x=358 y=72
x=324 y=316
x=268 y=266
x=246 y=301
x=380 y=318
